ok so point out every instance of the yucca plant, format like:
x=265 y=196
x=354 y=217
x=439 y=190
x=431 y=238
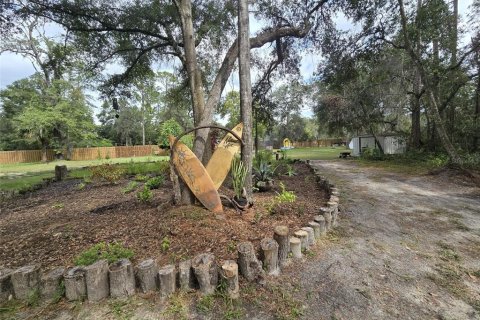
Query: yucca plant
x=239 y=173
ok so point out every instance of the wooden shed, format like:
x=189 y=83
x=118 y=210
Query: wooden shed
x=391 y=144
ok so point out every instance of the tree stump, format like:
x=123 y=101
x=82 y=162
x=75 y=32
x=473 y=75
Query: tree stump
x=316 y=229
x=96 y=276
x=333 y=206
x=229 y=275
x=186 y=277
x=167 y=279
x=75 y=285
x=206 y=272
x=60 y=172
x=311 y=235
x=270 y=256
x=6 y=289
x=25 y=280
x=146 y=274
x=334 y=199
x=51 y=283
x=280 y=234
x=321 y=222
x=303 y=236
x=327 y=214
x=296 y=247
x=248 y=264
x=122 y=279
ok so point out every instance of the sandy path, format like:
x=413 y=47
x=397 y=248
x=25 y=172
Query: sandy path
x=408 y=248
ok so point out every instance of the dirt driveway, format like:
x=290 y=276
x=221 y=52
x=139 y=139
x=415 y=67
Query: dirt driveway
x=408 y=248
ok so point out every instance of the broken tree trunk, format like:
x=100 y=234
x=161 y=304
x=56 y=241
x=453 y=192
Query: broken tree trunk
x=122 y=279
x=280 y=234
x=96 y=276
x=186 y=277
x=51 y=283
x=296 y=247
x=229 y=275
x=206 y=272
x=270 y=256
x=167 y=280
x=327 y=214
x=75 y=285
x=303 y=236
x=25 y=280
x=248 y=264
x=146 y=275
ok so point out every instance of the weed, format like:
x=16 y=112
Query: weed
x=59 y=293
x=132 y=185
x=205 y=304
x=107 y=172
x=258 y=217
x=165 y=244
x=111 y=251
x=81 y=186
x=290 y=171
x=459 y=224
x=121 y=309
x=58 y=205
x=33 y=298
x=145 y=195
x=155 y=182
x=177 y=307
x=141 y=178
x=285 y=196
x=447 y=253
x=232 y=246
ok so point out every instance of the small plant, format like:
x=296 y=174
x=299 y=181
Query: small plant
x=290 y=171
x=165 y=244
x=58 y=205
x=107 y=156
x=141 y=177
x=107 y=172
x=145 y=195
x=33 y=298
x=81 y=186
x=59 y=293
x=132 y=185
x=285 y=196
x=239 y=173
x=112 y=252
x=155 y=182
x=205 y=304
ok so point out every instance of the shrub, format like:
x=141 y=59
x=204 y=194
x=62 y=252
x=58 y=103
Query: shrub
x=107 y=172
x=285 y=196
x=141 y=177
x=239 y=173
x=132 y=185
x=145 y=195
x=264 y=156
x=155 y=182
x=372 y=154
x=112 y=252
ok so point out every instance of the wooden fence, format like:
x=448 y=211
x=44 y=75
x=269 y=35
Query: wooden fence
x=82 y=153
x=317 y=143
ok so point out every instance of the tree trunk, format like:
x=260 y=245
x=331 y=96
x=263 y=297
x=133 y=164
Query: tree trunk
x=476 y=138
x=453 y=62
x=250 y=267
x=280 y=234
x=51 y=283
x=229 y=275
x=146 y=275
x=25 y=280
x=122 y=279
x=167 y=279
x=206 y=272
x=415 y=134
x=97 y=281
x=75 y=286
x=270 y=256
x=245 y=92
x=44 y=151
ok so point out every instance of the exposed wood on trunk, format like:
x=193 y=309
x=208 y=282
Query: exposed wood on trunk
x=75 y=285
x=250 y=267
x=25 y=280
x=229 y=275
x=97 y=281
x=146 y=275
x=167 y=279
x=122 y=279
x=270 y=256
x=280 y=234
x=206 y=272
x=51 y=283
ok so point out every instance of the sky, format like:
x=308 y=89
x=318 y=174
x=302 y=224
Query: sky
x=15 y=67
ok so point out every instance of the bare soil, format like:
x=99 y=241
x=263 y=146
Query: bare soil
x=52 y=226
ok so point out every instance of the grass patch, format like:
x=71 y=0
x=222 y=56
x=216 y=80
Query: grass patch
x=177 y=307
x=112 y=252
x=121 y=309
x=321 y=153
x=23 y=183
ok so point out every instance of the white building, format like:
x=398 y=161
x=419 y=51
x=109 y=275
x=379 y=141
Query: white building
x=391 y=144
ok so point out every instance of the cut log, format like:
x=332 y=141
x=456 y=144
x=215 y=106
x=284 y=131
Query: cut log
x=327 y=214
x=6 y=289
x=146 y=274
x=229 y=275
x=270 y=256
x=248 y=264
x=334 y=199
x=303 y=236
x=51 y=284
x=321 y=222
x=206 y=272
x=280 y=234
x=167 y=279
x=333 y=206
x=316 y=229
x=75 y=285
x=296 y=247
x=311 y=235
x=186 y=277
x=25 y=281
x=96 y=276
x=60 y=172
x=122 y=279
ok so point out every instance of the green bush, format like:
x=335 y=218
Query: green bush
x=108 y=172
x=264 y=156
x=372 y=154
x=155 y=182
x=239 y=173
x=158 y=168
x=112 y=252
x=141 y=177
x=132 y=185
x=285 y=196
x=145 y=195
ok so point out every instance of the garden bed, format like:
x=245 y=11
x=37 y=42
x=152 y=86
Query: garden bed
x=52 y=226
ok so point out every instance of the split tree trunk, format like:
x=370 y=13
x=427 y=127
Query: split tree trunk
x=186 y=277
x=206 y=272
x=146 y=275
x=280 y=235
x=51 y=282
x=25 y=280
x=97 y=281
x=122 y=279
x=75 y=284
x=250 y=267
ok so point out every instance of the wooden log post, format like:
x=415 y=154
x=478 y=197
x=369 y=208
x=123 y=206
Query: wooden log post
x=296 y=247
x=327 y=214
x=25 y=280
x=280 y=234
x=51 y=283
x=311 y=235
x=270 y=256
x=248 y=264
x=206 y=272
x=146 y=274
x=229 y=275
x=96 y=276
x=122 y=279
x=6 y=289
x=316 y=229
x=167 y=278
x=75 y=284
x=186 y=277
x=321 y=222
x=60 y=172
x=303 y=236
x=333 y=206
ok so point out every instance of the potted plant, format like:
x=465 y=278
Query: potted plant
x=239 y=173
x=263 y=171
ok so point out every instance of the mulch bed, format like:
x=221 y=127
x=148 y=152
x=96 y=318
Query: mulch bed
x=52 y=226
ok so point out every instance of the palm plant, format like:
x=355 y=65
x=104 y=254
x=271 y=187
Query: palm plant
x=239 y=173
